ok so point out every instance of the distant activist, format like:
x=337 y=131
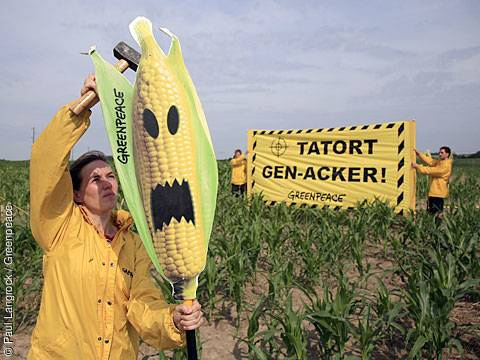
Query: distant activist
x=439 y=172
x=239 y=173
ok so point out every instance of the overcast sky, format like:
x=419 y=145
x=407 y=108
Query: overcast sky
x=258 y=65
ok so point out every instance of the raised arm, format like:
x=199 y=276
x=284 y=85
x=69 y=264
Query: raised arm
x=237 y=161
x=425 y=158
x=434 y=171
x=51 y=193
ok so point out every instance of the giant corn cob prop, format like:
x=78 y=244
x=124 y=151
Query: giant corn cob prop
x=174 y=162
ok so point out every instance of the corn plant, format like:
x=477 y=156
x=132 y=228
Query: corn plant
x=377 y=321
x=291 y=331
x=253 y=326
x=330 y=315
x=431 y=293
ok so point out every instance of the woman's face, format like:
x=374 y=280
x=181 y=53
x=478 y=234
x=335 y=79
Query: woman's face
x=98 y=189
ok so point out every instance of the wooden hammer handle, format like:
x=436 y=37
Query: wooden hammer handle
x=90 y=98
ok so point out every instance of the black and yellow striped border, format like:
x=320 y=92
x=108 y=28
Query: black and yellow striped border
x=401 y=165
x=401 y=168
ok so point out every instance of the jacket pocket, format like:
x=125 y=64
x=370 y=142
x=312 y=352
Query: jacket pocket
x=60 y=347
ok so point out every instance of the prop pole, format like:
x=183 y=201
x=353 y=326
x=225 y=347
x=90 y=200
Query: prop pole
x=191 y=341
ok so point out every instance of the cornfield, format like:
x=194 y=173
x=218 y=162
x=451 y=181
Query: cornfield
x=302 y=283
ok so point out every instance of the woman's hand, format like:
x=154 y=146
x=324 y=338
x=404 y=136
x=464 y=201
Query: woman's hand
x=188 y=317
x=90 y=83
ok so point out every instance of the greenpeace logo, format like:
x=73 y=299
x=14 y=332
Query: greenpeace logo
x=128 y=272
x=121 y=127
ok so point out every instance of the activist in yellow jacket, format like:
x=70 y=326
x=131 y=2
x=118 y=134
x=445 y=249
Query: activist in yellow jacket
x=239 y=169
x=439 y=172
x=98 y=297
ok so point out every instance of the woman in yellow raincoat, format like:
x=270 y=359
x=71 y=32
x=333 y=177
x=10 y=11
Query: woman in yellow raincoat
x=98 y=297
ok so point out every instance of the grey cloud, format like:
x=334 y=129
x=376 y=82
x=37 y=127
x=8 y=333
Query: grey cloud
x=450 y=56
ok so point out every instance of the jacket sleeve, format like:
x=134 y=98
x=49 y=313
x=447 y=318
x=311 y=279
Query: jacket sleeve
x=427 y=159
x=237 y=161
x=51 y=192
x=147 y=309
x=434 y=171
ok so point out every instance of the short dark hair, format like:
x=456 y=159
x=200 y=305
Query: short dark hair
x=238 y=150
x=81 y=162
x=447 y=150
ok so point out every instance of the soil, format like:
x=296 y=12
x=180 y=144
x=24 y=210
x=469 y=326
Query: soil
x=218 y=342
x=220 y=339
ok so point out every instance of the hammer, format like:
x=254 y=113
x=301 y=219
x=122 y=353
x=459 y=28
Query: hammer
x=127 y=57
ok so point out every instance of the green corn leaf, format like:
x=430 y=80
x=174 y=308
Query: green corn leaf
x=116 y=94
x=417 y=347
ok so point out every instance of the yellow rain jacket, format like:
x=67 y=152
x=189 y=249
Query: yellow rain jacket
x=97 y=298
x=439 y=172
x=239 y=170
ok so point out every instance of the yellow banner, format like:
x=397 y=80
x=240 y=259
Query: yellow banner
x=336 y=167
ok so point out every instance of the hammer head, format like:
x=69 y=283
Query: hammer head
x=124 y=52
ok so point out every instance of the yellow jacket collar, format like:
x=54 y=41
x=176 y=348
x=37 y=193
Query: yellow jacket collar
x=120 y=218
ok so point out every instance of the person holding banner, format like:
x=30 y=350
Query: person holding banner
x=98 y=297
x=239 y=173
x=439 y=172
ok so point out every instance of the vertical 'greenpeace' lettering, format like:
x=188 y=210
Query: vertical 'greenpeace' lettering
x=121 y=127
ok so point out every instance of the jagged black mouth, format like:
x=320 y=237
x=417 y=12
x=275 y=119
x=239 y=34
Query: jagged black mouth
x=171 y=202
